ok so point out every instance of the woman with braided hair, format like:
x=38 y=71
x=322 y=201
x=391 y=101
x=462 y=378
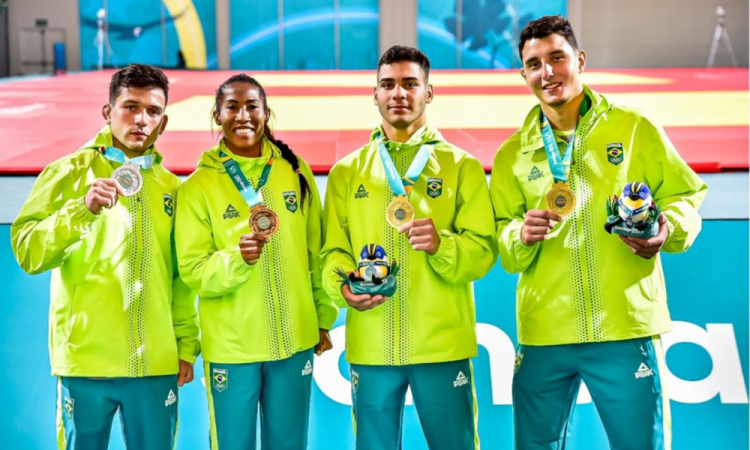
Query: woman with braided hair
x=248 y=234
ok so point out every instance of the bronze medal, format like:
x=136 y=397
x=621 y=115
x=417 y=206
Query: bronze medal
x=264 y=221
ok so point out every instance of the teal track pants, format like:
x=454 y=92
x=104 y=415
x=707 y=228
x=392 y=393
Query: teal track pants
x=625 y=379
x=87 y=406
x=443 y=395
x=280 y=390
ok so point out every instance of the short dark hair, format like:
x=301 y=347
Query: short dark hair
x=399 y=53
x=545 y=26
x=139 y=76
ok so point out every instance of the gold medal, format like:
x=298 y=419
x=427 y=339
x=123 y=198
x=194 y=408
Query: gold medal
x=128 y=176
x=561 y=199
x=399 y=212
x=264 y=221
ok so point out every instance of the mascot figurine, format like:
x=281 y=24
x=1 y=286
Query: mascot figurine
x=634 y=213
x=374 y=275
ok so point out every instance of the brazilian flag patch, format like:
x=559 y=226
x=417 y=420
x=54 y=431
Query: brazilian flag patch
x=434 y=187
x=220 y=379
x=519 y=360
x=168 y=205
x=615 y=153
x=68 y=405
x=290 y=200
x=355 y=381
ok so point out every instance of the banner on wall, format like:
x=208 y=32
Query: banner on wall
x=163 y=33
x=307 y=35
x=706 y=354
x=477 y=34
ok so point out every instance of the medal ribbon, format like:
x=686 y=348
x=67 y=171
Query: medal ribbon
x=559 y=165
x=117 y=155
x=241 y=182
x=402 y=187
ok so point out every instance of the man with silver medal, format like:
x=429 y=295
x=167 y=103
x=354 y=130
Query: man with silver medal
x=123 y=325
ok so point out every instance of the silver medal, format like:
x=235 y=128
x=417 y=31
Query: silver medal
x=128 y=176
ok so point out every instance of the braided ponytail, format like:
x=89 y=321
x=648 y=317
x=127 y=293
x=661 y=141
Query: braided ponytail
x=291 y=158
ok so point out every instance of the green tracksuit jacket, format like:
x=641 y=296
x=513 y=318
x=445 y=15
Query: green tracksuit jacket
x=431 y=318
x=272 y=309
x=117 y=305
x=582 y=284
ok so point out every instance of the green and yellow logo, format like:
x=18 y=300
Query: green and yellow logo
x=519 y=360
x=168 y=205
x=68 y=406
x=434 y=187
x=615 y=153
x=355 y=381
x=220 y=379
x=290 y=201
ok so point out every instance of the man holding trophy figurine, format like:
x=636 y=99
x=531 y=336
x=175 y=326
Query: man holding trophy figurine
x=590 y=306
x=408 y=229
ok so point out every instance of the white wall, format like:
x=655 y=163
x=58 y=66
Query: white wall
x=398 y=23
x=25 y=43
x=657 y=33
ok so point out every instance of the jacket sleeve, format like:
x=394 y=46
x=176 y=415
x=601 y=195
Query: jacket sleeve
x=675 y=187
x=209 y=271
x=54 y=218
x=468 y=252
x=509 y=205
x=184 y=315
x=337 y=247
x=324 y=306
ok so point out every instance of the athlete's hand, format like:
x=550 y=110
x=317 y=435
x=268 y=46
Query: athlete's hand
x=251 y=246
x=185 y=375
x=648 y=248
x=422 y=235
x=536 y=225
x=102 y=194
x=325 y=342
x=361 y=302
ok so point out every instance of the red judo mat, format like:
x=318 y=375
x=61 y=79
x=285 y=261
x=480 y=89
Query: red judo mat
x=324 y=115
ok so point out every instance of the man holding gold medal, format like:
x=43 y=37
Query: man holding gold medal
x=424 y=203
x=590 y=306
x=123 y=328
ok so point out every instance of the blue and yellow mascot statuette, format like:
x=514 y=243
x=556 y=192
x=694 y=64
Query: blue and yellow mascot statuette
x=374 y=275
x=634 y=213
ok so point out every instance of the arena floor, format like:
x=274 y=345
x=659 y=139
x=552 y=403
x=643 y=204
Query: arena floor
x=326 y=115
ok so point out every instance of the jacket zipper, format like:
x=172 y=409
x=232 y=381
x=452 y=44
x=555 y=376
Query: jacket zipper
x=277 y=306
x=588 y=301
x=138 y=284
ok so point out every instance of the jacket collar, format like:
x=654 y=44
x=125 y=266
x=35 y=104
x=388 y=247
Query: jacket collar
x=531 y=132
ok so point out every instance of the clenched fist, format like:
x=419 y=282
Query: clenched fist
x=251 y=246
x=422 y=235
x=537 y=224
x=102 y=194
